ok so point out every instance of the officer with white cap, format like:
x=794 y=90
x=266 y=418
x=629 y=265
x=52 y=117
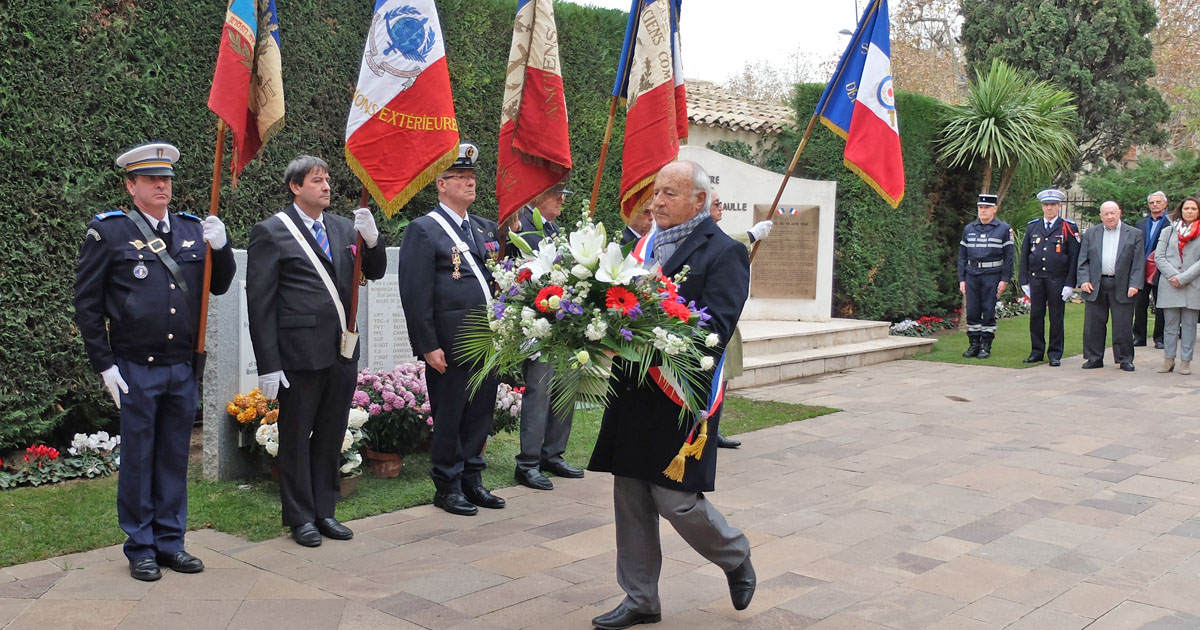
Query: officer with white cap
x=137 y=306
x=985 y=261
x=1049 y=253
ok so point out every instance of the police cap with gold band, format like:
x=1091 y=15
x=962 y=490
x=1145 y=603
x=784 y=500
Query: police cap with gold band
x=467 y=154
x=151 y=158
x=1051 y=195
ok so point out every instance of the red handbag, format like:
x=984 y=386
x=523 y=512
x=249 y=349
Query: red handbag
x=1151 y=269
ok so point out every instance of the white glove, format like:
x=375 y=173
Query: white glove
x=214 y=232
x=269 y=384
x=364 y=222
x=1025 y=288
x=113 y=381
x=761 y=230
x=1067 y=292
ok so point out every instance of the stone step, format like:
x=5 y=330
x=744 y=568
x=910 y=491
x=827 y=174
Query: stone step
x=763 y=337
x=783 y=366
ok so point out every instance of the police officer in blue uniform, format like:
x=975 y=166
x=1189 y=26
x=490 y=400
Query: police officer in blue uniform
x=985 y=262
x=137 y=305
x=1049 y=253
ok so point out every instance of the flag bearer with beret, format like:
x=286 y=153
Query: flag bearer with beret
x=985 y=262
x=137 y=303
x=1049 y=253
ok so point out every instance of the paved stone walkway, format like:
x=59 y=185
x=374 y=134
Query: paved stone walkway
x=943 y=498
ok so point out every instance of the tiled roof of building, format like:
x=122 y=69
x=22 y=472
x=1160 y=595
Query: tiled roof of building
x=715 y=107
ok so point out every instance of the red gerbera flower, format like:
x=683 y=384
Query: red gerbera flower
x=676 y=310
x=544 y=295
x=524 y=275
x=669 y=287
x=620 y=298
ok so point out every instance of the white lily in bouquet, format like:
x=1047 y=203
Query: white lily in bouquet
x=578 y=301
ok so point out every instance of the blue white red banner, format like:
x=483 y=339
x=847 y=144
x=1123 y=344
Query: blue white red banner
x=402 y=131
x=535 y=151
x=859 y=104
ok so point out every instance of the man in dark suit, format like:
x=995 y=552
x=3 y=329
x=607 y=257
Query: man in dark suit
x=1049 y=254
x=641 y=432
x=1111 y=271
x=444 y=279
x=639 y=225
x=1151 y=226
x=298 y=329
x=137 y=305
x=544 y=431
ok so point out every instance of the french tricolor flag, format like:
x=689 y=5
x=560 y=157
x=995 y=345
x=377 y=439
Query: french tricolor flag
x=859 y=104
x=535 y=152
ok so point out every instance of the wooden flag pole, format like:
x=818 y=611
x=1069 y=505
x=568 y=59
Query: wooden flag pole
x=214 y=201
x=791 y=168
x=352 y=316
x=612 y=114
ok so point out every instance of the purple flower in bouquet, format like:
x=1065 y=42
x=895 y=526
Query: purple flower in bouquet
x=702 y=312
x=571 y=307
x=635 y=312
x=627 y=334
x=498 y=308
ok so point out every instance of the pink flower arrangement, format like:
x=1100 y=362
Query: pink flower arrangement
x=397 y=402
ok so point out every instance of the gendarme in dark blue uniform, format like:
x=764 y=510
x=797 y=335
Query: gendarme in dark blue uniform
x=985 y=259
x=1049 y=253
x=139 y=326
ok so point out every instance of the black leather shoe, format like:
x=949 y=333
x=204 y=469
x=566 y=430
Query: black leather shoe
x=180 y=562
x=1033 y=358
x=330 y=528
x=622 y=617
x=741 y=584
x=484 y=499
x=724 y=442
x=144 y=569
x=562 y=469
x=1091 y=365
x=532 y=478
x=1139 y=342
x=1158 y=345
x=307 y=535
x=1126 y=367
x=454 y=503
x=1055 y=362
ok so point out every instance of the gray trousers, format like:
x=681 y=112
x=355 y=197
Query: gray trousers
x=544 y=433
x=1095 y=323
x=1180 y=326
x=637 y=505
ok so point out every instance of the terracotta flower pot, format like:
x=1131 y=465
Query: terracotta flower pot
x=350 y=485
x=385 y=465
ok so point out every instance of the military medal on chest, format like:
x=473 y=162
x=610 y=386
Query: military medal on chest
x=140 y=271
x=456 y=260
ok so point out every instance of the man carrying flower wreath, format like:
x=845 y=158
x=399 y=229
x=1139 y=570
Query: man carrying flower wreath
x=443 y=277
x=641 y=432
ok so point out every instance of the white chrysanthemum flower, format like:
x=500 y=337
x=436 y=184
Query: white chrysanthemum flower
x=541 y=328
x=712 y=340
x=358 y=417
x=527 y=314
x=706 y=363
x=272 y=448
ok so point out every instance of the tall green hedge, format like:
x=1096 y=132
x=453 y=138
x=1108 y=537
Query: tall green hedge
x=83 y=79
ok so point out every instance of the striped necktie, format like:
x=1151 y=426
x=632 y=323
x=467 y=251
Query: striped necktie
x=322 y=239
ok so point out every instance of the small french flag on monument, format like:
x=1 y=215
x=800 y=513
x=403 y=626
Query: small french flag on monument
x=859 y=104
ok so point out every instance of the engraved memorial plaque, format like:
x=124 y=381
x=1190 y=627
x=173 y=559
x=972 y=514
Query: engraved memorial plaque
x=387 y=344
x=786 y=263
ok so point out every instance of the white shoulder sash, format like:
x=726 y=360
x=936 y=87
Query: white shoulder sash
x=465 y=251
x=312 y=257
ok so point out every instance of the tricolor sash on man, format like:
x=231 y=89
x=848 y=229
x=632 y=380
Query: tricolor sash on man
x=656 y=117
x=247 y=87
x=402 y=131
x=859 y=104
x=535 y=152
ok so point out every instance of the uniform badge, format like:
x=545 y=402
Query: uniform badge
x=138 y=244
x=188 y=243
x=456 y=260
x=140 y=272
x=93 y=234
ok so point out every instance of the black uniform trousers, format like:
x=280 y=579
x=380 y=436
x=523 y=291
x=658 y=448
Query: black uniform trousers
x=313 y=414
x=1045 y=294
x=461 y=424
x=1095 y=324
x=1146 y=301
x=981 y=304
x=156 y=430
x=544 y=432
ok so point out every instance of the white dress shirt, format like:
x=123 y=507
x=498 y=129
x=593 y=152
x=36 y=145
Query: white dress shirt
x=1108 y=252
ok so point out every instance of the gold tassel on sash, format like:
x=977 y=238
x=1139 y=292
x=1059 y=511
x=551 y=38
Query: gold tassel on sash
x=693 y=446
x=696 y=448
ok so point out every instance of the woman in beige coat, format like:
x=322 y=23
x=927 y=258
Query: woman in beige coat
x=1178 y=260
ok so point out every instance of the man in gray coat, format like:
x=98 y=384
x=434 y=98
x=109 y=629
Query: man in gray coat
x=1111 y=271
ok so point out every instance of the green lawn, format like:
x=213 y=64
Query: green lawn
x=1012 y=341
x=76 y=516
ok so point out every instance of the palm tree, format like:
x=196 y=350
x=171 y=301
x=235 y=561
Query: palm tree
x=1010 y=121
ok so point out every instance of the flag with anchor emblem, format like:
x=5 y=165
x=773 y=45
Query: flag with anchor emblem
x=402 y=131
x=247 y=86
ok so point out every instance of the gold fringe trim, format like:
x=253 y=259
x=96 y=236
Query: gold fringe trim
x=834 y=128
x=636 y=191
x=391 y=206
x=872 y=183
